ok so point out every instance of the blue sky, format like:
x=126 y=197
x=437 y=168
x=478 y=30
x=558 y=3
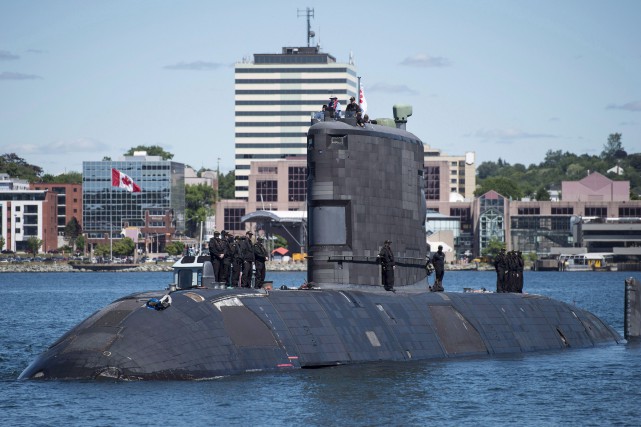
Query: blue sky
x=80 y=80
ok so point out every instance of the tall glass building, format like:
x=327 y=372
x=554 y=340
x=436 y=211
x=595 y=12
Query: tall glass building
x=275 y=96
x=110 y=209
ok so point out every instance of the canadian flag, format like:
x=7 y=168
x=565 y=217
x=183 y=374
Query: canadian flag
x=119 y=179
x=362 y=100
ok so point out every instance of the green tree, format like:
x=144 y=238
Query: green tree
x=101 y=249
x=175 y=248
x=227 y=185
x=542 y=194
x=280 y=242
x=33 y=245
x=2 y=242
x=63 y=178
x=198 y=205
x=613 y=148
x=72 y=231
x=81 y=243
x=17 y=167
x=124 y=247
x=487 y=169
x=493 y=247
x=504 y=186
x=152 y=150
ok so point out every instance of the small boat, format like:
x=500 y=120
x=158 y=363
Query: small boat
x=590 y=261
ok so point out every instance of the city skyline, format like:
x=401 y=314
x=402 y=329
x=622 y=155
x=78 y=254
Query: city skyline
x=80 y=81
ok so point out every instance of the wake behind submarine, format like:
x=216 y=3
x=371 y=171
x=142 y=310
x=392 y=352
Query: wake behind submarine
x=365 y=184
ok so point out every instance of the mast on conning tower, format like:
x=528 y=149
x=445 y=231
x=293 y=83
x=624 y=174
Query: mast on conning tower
x=309 y=12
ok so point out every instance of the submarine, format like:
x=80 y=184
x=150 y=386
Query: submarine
x=365 y=185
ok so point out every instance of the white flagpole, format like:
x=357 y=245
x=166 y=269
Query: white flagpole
x=111 y=223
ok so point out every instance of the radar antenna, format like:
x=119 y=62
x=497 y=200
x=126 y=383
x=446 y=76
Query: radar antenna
x=309 y=12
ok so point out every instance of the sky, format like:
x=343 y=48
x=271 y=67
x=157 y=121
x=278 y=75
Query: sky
x=508 y=79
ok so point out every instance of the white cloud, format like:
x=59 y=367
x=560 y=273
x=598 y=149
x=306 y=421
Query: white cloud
x=60 y=147
x=630 y=106
x=426 y=61
x=7 y=56
x=391 y=88
x=195 y=65
x=8 y=75
x=508 y=135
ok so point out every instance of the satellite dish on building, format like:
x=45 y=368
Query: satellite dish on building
x=469 y=157
x=456 y=197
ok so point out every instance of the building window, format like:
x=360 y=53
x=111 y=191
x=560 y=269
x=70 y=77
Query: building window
x=297 y=181
x=563 y=211
x=267 y=191
x=267 y=169
x=232 y=218
x=598 y=211
x=529 y=211
x=627 y=212
x=432 y=183
x=465 y=215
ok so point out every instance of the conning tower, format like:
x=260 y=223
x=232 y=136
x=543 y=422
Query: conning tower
x=365 y=186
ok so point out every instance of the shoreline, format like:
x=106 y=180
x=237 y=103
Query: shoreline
x=63 y=267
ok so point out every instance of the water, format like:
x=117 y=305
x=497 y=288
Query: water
x=584 y=387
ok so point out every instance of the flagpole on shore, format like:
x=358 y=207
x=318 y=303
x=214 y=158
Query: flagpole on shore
x=111 y=222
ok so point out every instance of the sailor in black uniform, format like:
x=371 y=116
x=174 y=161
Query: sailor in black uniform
x=247 y=254
x=438 y=261
x=519 y=270
x=216 y=252
x=225 y=272
x=260 y=254
x=500 y=264
x=386 y=258
x=237 y=262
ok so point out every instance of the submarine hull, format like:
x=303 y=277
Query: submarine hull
x=365 y=185
x=207 y=333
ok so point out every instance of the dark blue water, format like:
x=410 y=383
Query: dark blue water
x=600 y=386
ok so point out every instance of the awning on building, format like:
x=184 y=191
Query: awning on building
x=276 y=216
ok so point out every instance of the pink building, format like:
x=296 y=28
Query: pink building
x=595 y=188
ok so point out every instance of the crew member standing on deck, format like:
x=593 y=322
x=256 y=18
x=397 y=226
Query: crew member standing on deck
x=236 y=262
x=216 y=253
x=226 y=268
x=438 y=261
x=500 y=264
x=519 y=268
x=386 y=257
x=260 y=254
x=247 y=254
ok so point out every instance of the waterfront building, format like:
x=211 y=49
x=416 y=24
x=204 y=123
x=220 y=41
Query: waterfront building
x=275 y=96
x=68 y=205
x=158 y=210
x=448 y=177
x=8 y=183
x=25 y=214
x=272 y=186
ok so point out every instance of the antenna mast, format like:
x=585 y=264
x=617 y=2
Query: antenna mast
x=309 y=12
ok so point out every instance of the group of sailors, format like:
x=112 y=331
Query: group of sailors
x=235 y=258
x=335 y=110
x=509 y=271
